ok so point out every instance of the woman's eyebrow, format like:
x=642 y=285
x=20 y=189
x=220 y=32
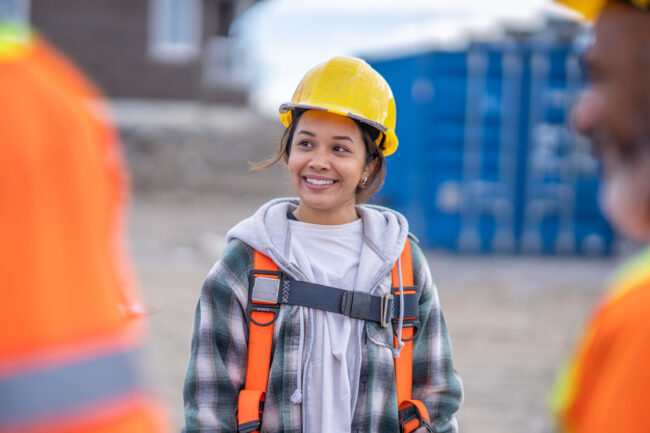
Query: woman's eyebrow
x=311 y=134
x=335 y=137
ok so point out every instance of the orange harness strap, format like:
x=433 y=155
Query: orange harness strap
x=260 y=342
x=262 y=315
x=412 y=412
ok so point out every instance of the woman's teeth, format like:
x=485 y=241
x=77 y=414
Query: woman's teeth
x=318 y=181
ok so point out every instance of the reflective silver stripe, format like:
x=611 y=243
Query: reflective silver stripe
x=41 y=393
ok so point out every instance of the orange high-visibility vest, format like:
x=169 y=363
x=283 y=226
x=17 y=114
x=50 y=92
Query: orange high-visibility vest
x=606 y=387
x=69 y=336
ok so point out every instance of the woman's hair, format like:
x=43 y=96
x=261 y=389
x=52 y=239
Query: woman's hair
x=373 y=153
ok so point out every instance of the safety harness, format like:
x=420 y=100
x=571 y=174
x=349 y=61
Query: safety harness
x=268 y=290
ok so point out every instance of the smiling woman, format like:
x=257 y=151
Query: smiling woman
x=363 y=135
x=315 y=351
x=327 y=166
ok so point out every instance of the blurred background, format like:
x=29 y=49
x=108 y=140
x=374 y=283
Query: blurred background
x=500 y=192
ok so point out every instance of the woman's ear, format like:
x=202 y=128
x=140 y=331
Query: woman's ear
x=370 y=168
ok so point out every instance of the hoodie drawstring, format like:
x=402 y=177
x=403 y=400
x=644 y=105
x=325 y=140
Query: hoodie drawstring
x=296 y=397
x=400 y=321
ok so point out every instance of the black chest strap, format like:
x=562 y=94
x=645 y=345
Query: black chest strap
x=382 y=309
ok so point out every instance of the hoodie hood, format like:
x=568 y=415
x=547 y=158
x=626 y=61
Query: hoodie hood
x=384 y=234
x=384 y=230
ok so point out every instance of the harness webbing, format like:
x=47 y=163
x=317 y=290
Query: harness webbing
x=412 y=412
x=260 y=342
x=262 y=315
x=358 y=305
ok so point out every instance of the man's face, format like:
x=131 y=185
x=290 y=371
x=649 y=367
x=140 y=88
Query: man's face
x=615 y=113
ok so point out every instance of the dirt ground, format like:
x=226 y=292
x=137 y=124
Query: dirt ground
x=511 y=319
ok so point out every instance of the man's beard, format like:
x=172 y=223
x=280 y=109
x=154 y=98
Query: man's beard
x=625 y=192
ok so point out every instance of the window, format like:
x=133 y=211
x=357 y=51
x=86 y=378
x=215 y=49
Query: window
x=175 y=30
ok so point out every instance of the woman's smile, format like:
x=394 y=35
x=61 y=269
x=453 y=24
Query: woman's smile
x=326 y=164
x=318 y=182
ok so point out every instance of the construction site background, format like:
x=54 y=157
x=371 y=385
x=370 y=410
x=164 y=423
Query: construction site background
x=512 y=319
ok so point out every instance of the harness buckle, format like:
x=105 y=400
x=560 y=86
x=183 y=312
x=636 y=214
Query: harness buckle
x=264 y=298
x=407 y=323
x=249 y=427
x=386 y=313
x=265 y=290
x=409 y=414
x=263 y=308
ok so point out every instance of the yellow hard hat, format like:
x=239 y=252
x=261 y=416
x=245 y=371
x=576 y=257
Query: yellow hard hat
x=350 y=87
x=591 y=8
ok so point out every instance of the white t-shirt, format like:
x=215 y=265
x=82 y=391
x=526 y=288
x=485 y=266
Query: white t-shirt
x=330 y=253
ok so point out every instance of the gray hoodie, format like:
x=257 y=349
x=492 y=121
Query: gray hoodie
x=384 y=235
x=217 y=368
x=385 y=232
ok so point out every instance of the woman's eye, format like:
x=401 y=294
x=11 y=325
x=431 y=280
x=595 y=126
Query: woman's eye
x=304 y=143
x=339 y=148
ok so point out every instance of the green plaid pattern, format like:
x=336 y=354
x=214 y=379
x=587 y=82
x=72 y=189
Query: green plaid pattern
x=217 y=366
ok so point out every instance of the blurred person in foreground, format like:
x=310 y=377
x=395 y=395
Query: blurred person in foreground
x=606 y=386
x=70 y=329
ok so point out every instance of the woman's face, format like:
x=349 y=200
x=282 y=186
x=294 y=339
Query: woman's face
x=326 y=164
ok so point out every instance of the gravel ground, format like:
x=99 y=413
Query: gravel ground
x=511 y=319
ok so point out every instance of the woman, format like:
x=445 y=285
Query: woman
x=329 y=372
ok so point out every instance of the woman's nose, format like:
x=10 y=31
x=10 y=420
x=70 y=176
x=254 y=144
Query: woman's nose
x=319 y=161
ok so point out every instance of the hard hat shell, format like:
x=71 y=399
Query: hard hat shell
x=349 y=87
x=591 y=8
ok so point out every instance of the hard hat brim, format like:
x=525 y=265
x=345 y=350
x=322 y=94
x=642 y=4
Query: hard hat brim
x=588 y=9
x=390 y=142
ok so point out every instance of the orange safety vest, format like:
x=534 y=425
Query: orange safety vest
x=413 y=413
x=69 y=336
x=606 y=387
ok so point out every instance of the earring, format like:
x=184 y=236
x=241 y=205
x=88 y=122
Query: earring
x=364 y=180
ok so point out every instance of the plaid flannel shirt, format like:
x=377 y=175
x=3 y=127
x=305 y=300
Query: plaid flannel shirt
x=217 y=367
